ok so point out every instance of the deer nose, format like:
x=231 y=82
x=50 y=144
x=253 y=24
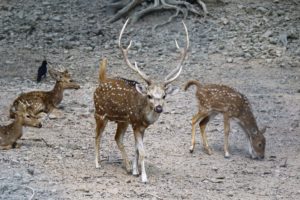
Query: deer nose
x=158 y=109
x=40 y=125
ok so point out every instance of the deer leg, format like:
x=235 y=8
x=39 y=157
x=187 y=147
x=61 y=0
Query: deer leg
x=100 y=125
x=140 y=155
x=203 y=125
x=56 y=114
x=122 y=127
x=135 y=170
x=195 y=120
x=226 y=132
x=16 y=145
x=7 y=147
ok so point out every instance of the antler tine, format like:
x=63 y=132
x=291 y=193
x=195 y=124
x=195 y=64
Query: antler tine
x=176 y=72
x=125 y=55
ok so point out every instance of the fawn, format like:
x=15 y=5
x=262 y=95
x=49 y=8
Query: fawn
x=9 y=134
x=46 y=101
x=214 y=99
x=128 y=102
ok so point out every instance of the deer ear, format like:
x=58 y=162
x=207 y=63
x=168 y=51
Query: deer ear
x=171 y=89
x=141 y=89
x=54 y=74
x=21 y=107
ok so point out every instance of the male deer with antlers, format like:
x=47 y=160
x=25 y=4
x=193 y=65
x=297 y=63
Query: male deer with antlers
x=214 y=99
x=46 y=101
x=128 y=102
x=11 y=133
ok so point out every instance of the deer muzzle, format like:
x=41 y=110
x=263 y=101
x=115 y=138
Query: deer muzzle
x=158 y=109
x=39 y=125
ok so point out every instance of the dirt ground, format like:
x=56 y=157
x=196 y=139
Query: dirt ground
x=252 y=46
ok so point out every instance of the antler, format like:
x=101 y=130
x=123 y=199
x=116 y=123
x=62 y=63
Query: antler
x=176 y=72
x=125 y=55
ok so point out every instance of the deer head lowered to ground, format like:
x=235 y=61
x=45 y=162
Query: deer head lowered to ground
x=214 y=99
x=128 y=102
x=9 y=134
x=46 y=101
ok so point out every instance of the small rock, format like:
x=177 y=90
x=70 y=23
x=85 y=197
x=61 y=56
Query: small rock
x=295 y=124
x=46 y=3
x=262 y=10
x=57 y=18
x=230 y=193
x=230 y=60
x=17 y=176
x=224 y=20
x=30 y=171
x=283 y=38
x=267 y=34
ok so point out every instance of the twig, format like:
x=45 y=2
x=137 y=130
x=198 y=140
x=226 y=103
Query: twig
x=39 y=139
x=27 y=187
x=154 y=195
x=212 y=181
x=284 y=164
x=112 y=161
x=203 y=7
x=33 y=192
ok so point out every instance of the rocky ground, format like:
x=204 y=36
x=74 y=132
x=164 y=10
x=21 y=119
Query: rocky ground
x=250 y=45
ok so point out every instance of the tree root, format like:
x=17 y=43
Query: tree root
x=125 y=10
x=124 y=7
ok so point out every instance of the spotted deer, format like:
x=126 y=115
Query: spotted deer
x=46 y=101
x=214 y=99
x=9 y=134
x=129 y=102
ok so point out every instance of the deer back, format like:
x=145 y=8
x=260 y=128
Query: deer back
x=118 y=98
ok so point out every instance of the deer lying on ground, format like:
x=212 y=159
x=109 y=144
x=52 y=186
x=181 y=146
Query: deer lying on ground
x=128 y=102
x=214 y=99
x=11 y=133
x=46 y=101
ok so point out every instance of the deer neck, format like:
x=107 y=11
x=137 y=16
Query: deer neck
x=248 y=123
x=17 y=126
x=57 y=93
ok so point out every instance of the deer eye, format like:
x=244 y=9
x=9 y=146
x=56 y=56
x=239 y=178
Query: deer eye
x=259 y=145
x=27 y=116
x=164 y=96
x=149 y=96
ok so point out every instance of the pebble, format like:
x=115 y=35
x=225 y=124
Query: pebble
x=230 y=60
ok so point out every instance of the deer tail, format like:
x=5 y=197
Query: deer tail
x=192 y=82
x=102 y=70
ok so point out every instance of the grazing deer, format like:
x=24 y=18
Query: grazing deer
x=42 y=71
x=46 y=101
x=214 y=99
x=9 y=134
x=128 y=102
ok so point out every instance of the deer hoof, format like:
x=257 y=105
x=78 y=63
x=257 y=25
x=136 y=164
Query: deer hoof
x=144 y=179
x=227 y=155
x=191 y=149
x=127 y=166
x=98 y=166
x=135 y=172
x=208 y=151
